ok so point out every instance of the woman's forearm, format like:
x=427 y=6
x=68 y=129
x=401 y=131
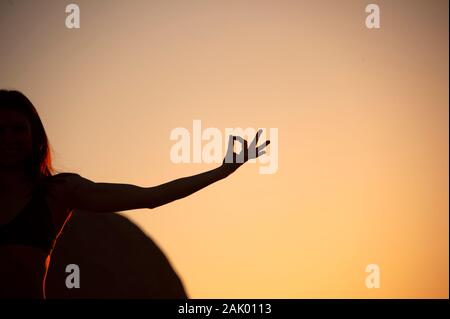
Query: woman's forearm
x=185 y=186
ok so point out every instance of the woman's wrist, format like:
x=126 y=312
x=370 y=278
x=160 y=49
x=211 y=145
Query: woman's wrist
x=227 y=169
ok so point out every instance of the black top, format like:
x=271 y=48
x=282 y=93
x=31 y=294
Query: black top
x=33 y=226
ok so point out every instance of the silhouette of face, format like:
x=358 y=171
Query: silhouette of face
x=15 y=137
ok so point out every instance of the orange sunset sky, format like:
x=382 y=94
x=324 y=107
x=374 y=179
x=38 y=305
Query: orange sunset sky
x=362 y=118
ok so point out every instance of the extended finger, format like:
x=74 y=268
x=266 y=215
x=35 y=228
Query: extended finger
x=255 y=140
x=262 y=146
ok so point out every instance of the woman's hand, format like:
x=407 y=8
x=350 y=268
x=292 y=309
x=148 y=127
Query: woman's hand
x=233 y=161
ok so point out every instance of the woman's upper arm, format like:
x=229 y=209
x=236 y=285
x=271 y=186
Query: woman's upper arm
x=84 y=194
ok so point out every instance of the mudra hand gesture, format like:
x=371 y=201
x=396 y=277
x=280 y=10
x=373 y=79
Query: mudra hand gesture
x=233 y=161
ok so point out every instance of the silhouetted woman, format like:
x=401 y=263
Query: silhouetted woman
x=35 y=203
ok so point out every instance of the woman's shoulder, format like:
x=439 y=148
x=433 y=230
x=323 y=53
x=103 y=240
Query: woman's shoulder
x=57 y=190
x=60 y=183
x=62 y=177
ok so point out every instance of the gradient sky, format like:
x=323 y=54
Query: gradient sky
x=363 y=129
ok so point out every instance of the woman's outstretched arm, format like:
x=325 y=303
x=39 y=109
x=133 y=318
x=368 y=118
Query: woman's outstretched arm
x=81 y=193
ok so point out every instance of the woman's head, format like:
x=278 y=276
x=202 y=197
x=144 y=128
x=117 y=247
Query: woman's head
x=23 y=140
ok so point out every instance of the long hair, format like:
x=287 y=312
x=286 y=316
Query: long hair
x=39 y=165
